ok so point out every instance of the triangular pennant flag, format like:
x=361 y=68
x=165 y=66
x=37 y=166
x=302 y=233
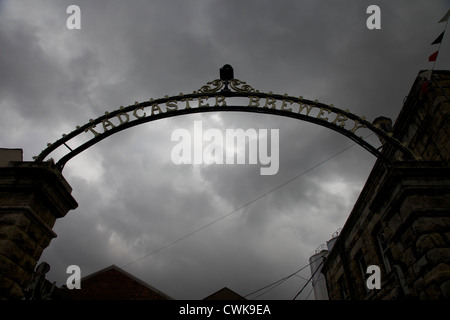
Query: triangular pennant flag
x=445 y=18
x=433 y=57
x=439 y=39
x=425 y=86
x=425 y=74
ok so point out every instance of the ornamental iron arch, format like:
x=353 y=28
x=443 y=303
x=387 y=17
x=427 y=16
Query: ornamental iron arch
x=213 y=97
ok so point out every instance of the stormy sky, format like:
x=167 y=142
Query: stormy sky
x=190 y=230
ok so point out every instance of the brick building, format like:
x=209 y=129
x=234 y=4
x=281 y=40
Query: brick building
x=225 y=294
x=401 y=220
x=114 y=283
x=111 y=283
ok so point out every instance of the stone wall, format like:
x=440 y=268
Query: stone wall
x=32 y=196
x=407 y=206
x=423 y=121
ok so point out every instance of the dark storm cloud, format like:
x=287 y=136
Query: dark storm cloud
x=135 y=204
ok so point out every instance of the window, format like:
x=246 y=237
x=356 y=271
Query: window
x=344 y=290
x=363 y=269
x=384 y=250
x=359 y=258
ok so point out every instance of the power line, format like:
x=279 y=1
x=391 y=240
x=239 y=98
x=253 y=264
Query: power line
x=312 y=287
x=242 y=206
x=278 y=282
x=308 y=281
x=300 y=277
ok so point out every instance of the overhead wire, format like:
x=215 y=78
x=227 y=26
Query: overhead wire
x=278 y=282
x=314 y=273
x=310 y=291
x=244 y=205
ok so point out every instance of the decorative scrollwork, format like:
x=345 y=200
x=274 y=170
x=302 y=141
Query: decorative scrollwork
x=217 y=85
x=235 y=83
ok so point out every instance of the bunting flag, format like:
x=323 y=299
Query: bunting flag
x=426 y=74
x=433 y=57
x=439 y=39
x=426 y=83
x=425 y=86
x=445 y=18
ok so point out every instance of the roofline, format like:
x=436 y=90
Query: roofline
x=114 y=267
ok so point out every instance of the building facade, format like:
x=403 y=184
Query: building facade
x=401 y=220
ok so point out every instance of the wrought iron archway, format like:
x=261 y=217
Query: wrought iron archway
x=213 y=97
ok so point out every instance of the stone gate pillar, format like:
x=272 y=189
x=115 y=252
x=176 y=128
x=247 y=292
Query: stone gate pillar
x=32 y=196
